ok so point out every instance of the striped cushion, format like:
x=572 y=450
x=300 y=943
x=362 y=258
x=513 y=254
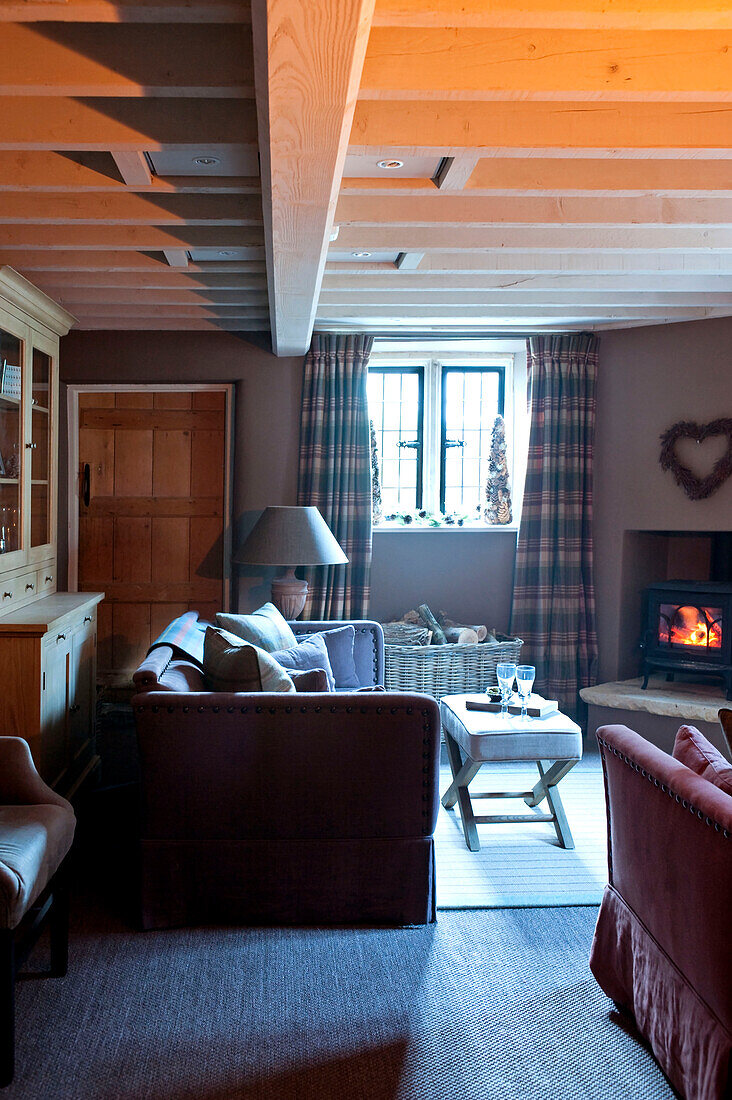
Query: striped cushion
x=232 y=665
x=264 y=628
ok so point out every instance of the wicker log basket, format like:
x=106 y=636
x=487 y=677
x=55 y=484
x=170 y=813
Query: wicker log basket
x=439 y=670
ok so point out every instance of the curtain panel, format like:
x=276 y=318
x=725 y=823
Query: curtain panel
x=335 y=469
x=554 y=599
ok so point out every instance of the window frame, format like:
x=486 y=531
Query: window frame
x=508 y=353
x=458 y=368
x=418 y=369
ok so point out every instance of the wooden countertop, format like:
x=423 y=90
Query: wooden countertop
x=48 y=612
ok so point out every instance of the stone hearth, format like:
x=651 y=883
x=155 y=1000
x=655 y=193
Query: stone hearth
x=657 y=712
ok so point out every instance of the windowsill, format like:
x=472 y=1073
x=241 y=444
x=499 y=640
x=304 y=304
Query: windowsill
x=450 y=529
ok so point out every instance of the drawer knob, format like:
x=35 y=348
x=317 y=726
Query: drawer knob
x=31 y=446
x=75 y=708
x=87 y=618
x=46 y=579
x=7 y=595
x=61 y=638
x=29 y=586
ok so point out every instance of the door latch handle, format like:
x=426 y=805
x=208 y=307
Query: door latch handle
x=86 y=484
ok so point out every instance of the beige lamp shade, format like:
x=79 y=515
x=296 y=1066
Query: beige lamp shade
x=290 y=536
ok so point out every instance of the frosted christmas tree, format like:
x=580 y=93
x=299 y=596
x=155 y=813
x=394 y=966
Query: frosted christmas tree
x=497 y=488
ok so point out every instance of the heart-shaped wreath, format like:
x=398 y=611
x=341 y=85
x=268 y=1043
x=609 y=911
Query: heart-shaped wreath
x=697 y=488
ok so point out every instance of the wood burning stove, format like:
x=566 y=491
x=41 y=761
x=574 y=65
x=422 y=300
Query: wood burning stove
x=688 y=629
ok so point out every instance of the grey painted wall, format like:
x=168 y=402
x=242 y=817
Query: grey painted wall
x=649 y=379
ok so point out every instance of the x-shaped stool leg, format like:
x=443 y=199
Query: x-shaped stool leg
x=549 y=775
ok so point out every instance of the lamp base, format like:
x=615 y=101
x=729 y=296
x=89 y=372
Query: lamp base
x=289 y=594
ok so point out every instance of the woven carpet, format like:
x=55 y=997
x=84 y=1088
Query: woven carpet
x=523 y=865
x=495 y=1005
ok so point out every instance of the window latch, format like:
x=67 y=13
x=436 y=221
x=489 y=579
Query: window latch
x=412 y=444
x=454 y=442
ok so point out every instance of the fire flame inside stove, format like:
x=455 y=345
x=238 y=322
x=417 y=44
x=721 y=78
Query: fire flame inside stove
x=696 y=626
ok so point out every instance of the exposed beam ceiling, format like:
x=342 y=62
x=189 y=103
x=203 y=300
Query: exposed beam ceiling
x=565 y=163
x=305 y=109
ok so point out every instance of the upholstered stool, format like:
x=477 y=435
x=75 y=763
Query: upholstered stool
x=474 y=738
x=36 y=831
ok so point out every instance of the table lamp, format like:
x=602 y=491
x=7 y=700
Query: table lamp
x=290 y=537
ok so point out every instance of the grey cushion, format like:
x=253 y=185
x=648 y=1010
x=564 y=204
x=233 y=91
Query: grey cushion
x=340 y=643
x=265 y=628
x=33 y=843
x=309 y=653
x=230 y=664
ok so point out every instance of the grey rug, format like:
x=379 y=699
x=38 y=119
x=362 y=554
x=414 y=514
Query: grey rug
x=495 y=1005
x=523 y=865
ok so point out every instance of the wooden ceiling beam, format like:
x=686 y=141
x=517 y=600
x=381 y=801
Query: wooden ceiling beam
x=125 y=11
x=197 y=310
x=129 y=209
x=478 y=63
x=63 y=262
x=545 y=282
x=176 y=257
x=149 y=238
x=426 y=126
x=56 y=123
x=65 y=282
x=518 y=264
x=91 y=59
x=133 y=168
x=308 y=62
x=705 y=261
x=149 y=299
x=454 y=172
x=505 y=314
x=570 y=177
x=530 y=175
x=562 y=238
x=569 y=14
x=464 y=210
x=49 y=171
x=112 y=323
x=372 y=301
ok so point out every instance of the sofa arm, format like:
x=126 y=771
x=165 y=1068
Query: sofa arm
x=670 y=856
x=368 y=646
x=239 y=766
x=20 y=783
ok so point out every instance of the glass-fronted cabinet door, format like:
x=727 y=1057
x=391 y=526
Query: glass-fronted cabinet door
x=12 y=381
x=42 y=411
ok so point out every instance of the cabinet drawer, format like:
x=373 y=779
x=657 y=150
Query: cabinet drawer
x=46 y=579
x=14 y=590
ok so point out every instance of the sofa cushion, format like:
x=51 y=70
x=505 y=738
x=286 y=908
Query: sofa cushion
x=692 y=749
x=313 y=680
x=230 y=664
x=310 y=653
x=339 y=643
x=264 y=628
x=33 y=842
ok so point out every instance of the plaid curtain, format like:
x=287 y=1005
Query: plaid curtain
x=553 y=598
x=335 y=470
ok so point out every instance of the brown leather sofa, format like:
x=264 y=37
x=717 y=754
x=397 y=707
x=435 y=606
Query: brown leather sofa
x=307 y=808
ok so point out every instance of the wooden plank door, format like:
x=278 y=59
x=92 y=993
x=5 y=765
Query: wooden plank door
x=152 y=534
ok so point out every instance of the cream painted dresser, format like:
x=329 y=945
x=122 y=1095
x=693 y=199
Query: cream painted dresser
x=47 y=639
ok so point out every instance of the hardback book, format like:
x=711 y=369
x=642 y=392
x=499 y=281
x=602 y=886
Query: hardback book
x=536 y=705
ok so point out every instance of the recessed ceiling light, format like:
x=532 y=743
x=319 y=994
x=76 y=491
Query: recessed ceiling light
x=206 y=162
x=390 y=164
x=360 y=255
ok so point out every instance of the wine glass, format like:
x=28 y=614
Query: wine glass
x=525 y=675
x=505 y=674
